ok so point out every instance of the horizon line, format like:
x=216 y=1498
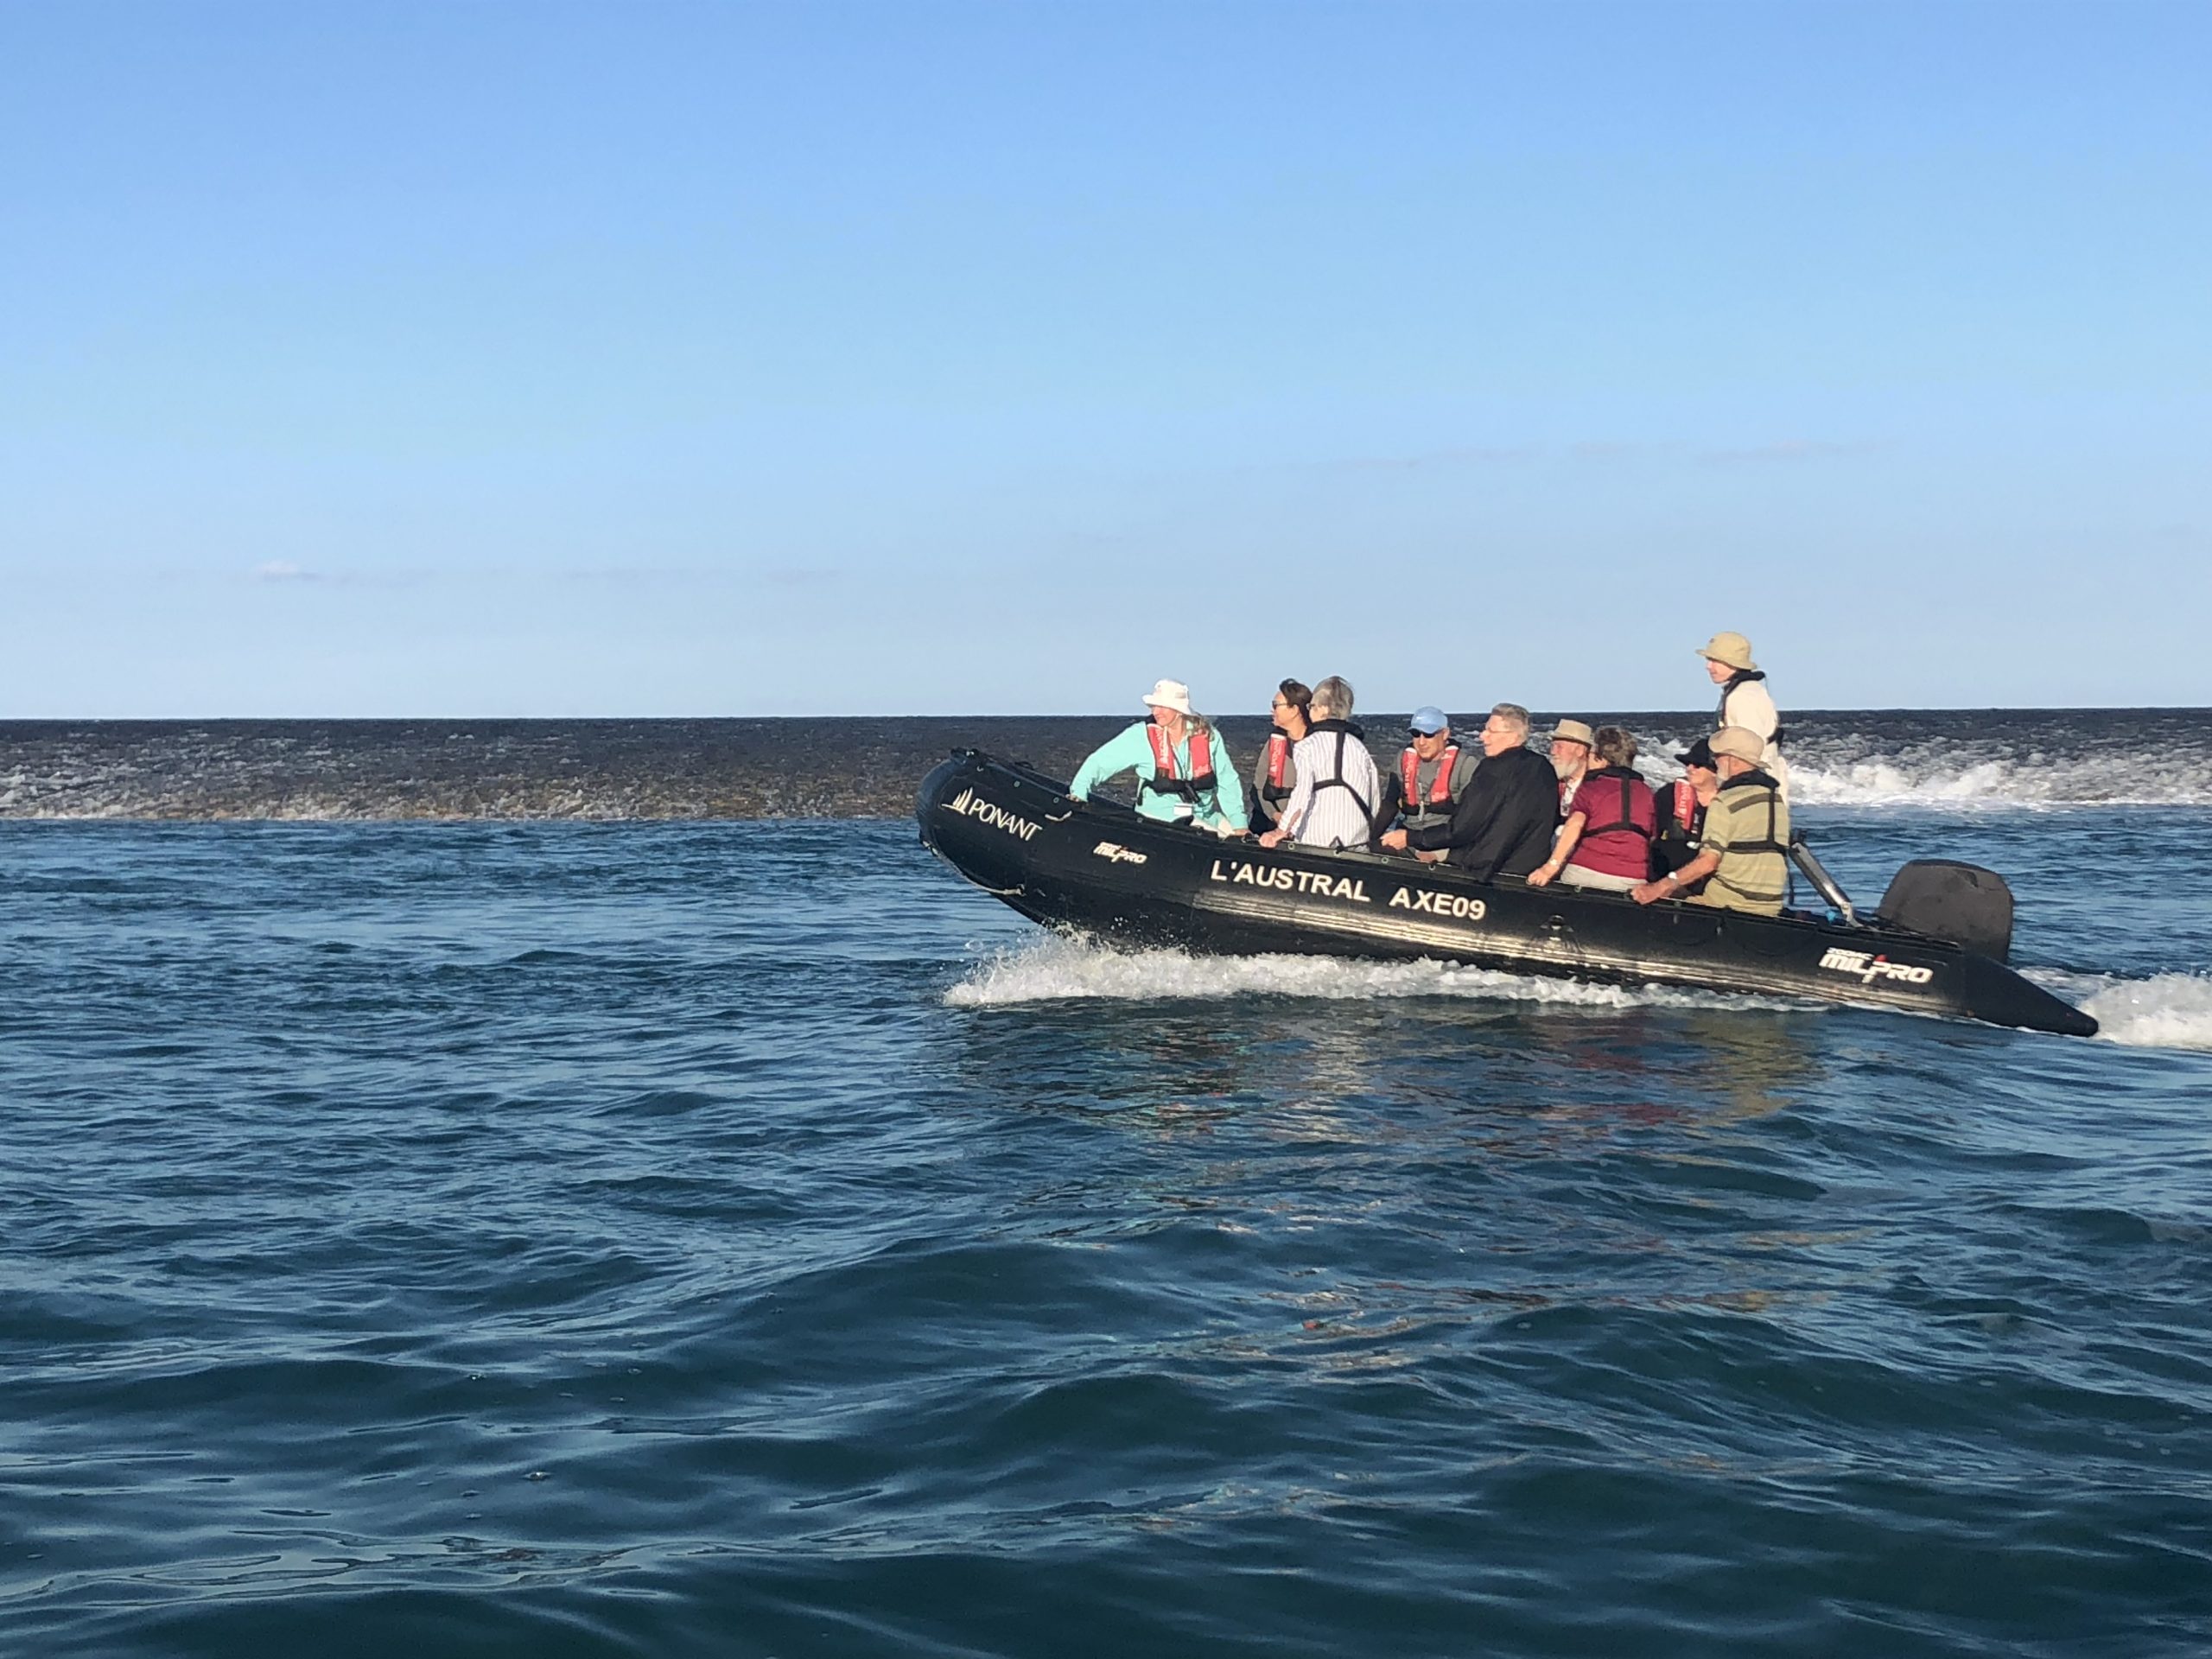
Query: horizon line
x=329 y=719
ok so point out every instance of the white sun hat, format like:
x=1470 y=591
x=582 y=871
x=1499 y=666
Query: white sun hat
x=1171 y=694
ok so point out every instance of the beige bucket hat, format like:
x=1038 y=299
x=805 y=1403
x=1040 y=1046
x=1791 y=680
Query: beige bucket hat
x=1574 y=731
x=1170 y=694
x=1732 y=649
x=1740 y=741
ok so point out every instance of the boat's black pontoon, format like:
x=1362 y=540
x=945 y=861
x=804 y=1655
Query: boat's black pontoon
x=1103 y=869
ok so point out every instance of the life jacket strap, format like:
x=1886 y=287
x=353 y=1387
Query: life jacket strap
x=1163 y=781
x=1769 y=842
x=1366 y=806
x=1627 y=819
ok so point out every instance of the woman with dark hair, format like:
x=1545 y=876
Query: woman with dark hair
x=1275 y=774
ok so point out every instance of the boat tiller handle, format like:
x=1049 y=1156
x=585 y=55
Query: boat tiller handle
x=1802 y=856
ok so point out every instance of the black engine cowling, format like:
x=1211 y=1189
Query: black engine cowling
x=1962 y=903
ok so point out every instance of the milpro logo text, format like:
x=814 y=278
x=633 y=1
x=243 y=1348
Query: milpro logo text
x=969 y=804
x=1870 y=969
x=1113 y=852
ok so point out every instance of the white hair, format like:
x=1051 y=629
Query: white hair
x=1334 y=694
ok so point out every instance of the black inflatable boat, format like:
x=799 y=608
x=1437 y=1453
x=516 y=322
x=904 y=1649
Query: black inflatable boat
x=1101 y=869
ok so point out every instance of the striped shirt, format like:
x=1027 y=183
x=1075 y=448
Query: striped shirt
x=1739 y=814
x=1319 y=813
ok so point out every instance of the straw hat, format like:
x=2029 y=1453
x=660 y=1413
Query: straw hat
x=1740 y=741
x=1171 y=694
x=1732 y=649
x=1574 y=731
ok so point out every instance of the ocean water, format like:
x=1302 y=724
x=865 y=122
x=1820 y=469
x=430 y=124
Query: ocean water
x=632 y=769
x=559 y=1236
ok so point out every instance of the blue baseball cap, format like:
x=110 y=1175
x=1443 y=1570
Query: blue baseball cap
x=1428 y=721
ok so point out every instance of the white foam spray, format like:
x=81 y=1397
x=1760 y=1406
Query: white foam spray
x=2164 y=1010
x=1954 y=772
x=1056 y=968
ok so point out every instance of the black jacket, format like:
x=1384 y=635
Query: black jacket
x=1504 y=824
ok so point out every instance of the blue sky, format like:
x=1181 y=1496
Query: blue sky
x=709 y=359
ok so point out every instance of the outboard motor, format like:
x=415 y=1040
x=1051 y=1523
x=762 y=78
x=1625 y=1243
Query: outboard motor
x=1962 y=903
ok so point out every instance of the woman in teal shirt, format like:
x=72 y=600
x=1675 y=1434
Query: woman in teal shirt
x=1182 y=776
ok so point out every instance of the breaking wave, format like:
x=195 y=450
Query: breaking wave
x=1953 y=778
x=1054 y=968
x=1950 y=760
x=2165 y=1011
x=2169 y=1010
x=1944 y=759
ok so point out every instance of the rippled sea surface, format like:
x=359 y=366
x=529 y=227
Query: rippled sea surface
x=742 y=1238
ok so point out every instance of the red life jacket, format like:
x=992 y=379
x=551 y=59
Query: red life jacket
x=1163 y=781
x=1439 y=793
x=1278 y=763
x=1685 y=798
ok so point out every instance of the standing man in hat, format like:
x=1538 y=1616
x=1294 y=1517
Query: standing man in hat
x=1572 y=742
x=1747 y=848
x=1175 y=755
x=1432 y=773
x=1745 y=702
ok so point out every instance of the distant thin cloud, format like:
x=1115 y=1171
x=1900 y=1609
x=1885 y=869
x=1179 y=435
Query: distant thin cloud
x=1792 y=449
x=285 y=570
x=1464 y=455
x=1604 y=451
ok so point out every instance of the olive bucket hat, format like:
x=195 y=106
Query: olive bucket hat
x=1732 y=649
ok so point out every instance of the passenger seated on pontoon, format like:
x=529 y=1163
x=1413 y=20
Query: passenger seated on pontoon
x=1174 y=755
x=1681 y=813
x=1334 y=805
x=1746 y=846
x=1432 y=774
x=1572 y=742
x=1503 y=823
x=1607 y=840
x=1275 y=774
